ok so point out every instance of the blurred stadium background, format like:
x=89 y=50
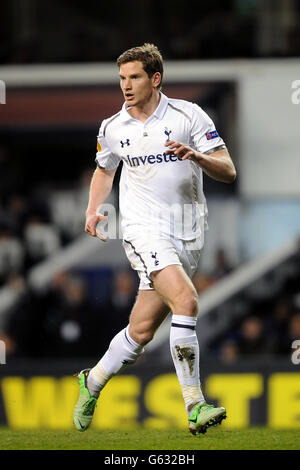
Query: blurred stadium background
x=63 y=294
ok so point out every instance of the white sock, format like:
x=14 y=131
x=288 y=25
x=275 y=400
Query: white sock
x=185 y=353
x=123 y=350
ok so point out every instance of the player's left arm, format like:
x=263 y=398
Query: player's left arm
x=216 y=162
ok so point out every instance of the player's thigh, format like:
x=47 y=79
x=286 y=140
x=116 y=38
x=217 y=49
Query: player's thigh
x=148 y=312
x=175 y=286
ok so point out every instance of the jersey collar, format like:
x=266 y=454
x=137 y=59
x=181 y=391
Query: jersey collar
x=158 y=113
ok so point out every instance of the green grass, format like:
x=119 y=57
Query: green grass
x=145 y=439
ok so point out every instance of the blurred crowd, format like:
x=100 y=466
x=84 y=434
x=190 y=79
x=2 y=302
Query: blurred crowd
x=263 y=336
x=36 y=224
x=63 y=321
x=267 y=325
x=231 y=29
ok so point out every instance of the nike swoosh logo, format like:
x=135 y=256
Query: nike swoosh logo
x=82 y=427
x=193 y=420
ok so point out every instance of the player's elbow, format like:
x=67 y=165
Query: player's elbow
x=230 y=175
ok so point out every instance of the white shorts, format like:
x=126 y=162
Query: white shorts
x=152 y=254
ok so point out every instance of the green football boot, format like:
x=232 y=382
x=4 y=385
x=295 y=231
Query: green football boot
x=85 y=406
x=203 y=416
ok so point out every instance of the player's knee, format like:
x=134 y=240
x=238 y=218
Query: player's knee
x=188 y=304
x=191 y=304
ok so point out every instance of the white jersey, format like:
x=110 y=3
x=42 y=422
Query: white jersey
x=159 y=192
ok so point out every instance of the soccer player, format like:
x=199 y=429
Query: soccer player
x=164 y=145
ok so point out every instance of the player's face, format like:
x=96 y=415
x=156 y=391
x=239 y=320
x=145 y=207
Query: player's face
x=136 y=86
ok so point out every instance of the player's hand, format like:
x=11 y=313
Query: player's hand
x=91 y=225
x=182 y=151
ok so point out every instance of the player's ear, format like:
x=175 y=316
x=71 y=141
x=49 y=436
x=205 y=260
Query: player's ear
x=156 y=79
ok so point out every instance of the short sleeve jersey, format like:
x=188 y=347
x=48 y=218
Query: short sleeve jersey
x=159 y=192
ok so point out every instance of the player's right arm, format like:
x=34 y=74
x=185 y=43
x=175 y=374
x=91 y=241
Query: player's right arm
x=100 y=188
x=101 y=183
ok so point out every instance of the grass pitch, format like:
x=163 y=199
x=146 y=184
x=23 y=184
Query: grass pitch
x=259 y=438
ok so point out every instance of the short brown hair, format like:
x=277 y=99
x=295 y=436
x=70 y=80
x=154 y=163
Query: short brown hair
x=150 y=57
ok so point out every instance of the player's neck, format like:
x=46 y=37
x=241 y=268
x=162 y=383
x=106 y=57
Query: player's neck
x=144 y=110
